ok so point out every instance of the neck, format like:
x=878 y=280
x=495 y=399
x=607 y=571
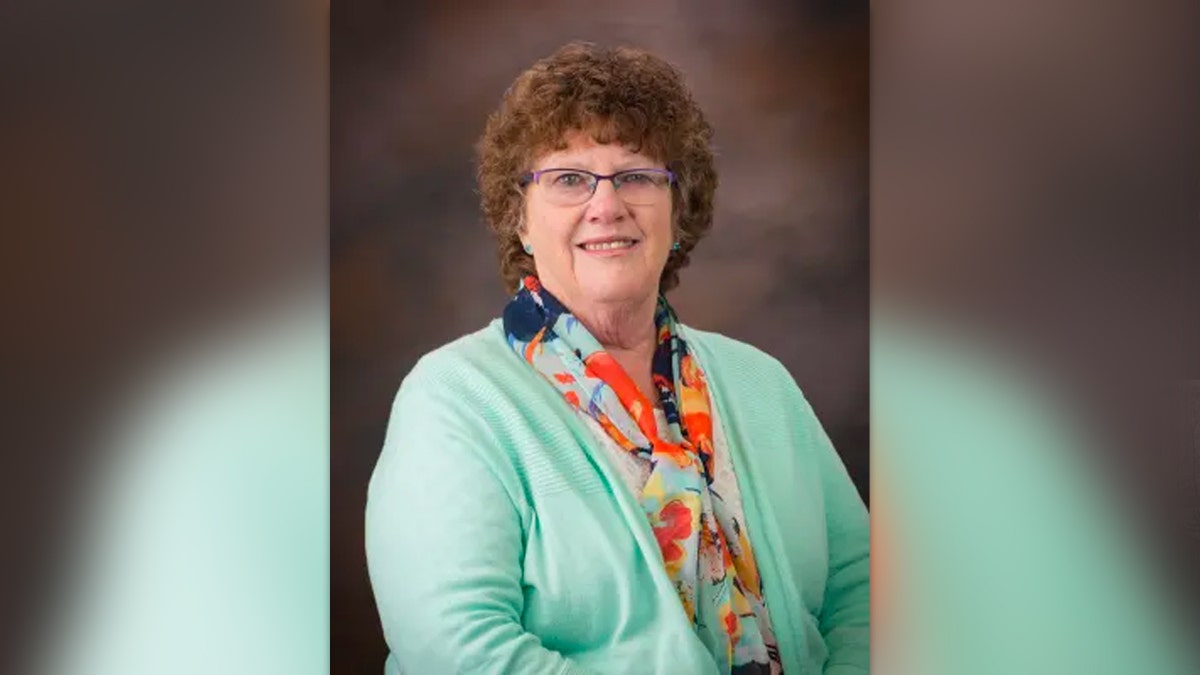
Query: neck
x=627 y=332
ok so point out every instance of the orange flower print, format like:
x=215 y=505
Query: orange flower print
x=698 y=424
x=744 y=563
x=603 y=366
x=661 y=381
x=674 y=528
x=729 y=621
x=726 y=554
x=678 y=454
x=534 y=345
x=690 y=373
x=564 y=378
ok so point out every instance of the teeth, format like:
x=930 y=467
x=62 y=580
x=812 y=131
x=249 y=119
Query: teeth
x=608 y=246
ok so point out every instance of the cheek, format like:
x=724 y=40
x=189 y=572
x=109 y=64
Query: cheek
x=659 y=227
x=551 y=228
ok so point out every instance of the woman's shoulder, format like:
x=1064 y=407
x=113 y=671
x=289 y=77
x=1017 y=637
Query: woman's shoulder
x=468 y=371
x=730 y=358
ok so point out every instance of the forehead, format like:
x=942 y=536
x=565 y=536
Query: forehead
x=581 y=150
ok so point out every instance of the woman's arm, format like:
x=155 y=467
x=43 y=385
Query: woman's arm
x=445 y=544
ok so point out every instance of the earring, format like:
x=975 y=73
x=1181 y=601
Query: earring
x=675 y=246
x=528 y=249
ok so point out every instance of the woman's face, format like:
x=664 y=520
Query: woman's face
x=602 y=251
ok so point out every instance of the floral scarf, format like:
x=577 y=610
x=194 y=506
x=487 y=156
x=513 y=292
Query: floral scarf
x=714 y=574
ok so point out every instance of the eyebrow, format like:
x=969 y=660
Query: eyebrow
x=619 y=167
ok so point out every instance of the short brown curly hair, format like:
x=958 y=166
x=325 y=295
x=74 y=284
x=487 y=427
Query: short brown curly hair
x=622 y=94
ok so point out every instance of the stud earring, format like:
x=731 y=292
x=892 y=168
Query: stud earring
x=675 y=246
x=528 y=249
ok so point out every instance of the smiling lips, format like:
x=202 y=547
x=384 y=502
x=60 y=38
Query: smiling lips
x=608 y=245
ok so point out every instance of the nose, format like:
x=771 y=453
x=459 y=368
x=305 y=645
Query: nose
x=606 y=205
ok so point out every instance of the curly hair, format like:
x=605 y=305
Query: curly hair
x=623 y=95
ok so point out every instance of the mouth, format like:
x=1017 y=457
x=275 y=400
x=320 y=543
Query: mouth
x=608 y=245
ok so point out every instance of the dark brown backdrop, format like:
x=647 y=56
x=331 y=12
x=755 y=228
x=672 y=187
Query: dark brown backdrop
x=412 y=265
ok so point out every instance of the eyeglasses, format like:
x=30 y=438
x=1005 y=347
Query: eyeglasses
x=571 y=187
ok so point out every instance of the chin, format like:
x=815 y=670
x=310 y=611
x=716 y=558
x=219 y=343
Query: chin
x=617 y=290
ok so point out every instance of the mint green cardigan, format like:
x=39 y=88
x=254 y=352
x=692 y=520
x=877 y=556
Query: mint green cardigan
x=500 y=539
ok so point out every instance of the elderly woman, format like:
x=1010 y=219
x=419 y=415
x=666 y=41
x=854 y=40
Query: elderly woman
x=587 y=484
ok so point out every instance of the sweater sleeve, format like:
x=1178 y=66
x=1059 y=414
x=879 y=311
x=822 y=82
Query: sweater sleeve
x=445 y=539
x=845 y=620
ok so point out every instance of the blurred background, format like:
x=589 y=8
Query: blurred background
x=1035 y=196
x=413 y=266
x=163 y=274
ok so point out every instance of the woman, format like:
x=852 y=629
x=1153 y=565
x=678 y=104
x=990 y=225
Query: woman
x=587 y=485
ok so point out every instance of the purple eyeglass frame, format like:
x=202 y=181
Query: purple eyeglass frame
x=533 y=176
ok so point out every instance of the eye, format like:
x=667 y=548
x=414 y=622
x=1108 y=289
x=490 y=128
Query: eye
x=570 y=179
x=644 y=178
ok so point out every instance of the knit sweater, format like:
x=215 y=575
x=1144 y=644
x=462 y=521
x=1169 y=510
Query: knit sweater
x=500 y=537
